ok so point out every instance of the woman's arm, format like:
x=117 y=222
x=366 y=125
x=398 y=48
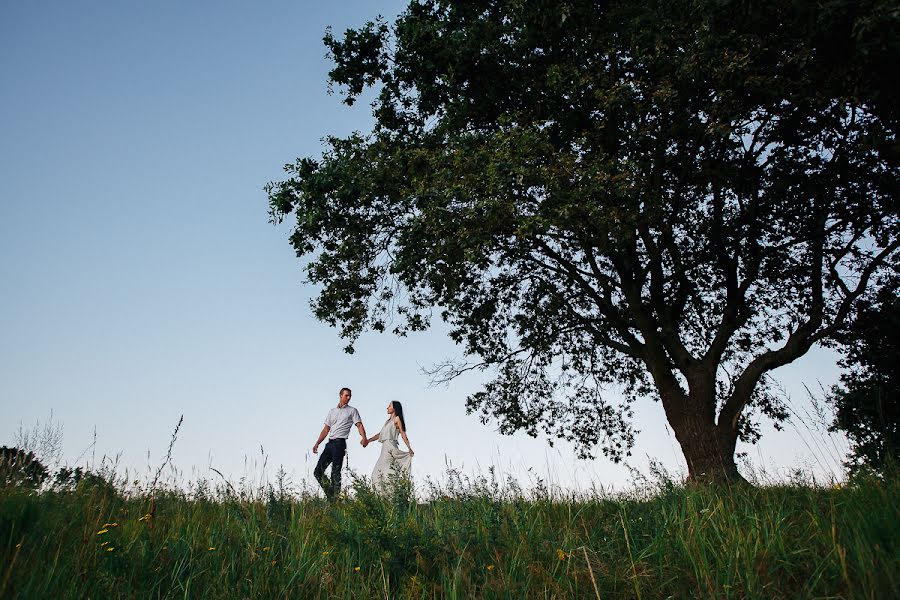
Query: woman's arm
x=374 y=438
x=399 y=424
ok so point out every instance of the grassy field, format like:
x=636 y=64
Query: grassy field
x=478 y=540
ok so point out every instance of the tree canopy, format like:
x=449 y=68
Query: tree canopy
x=21 y=468
x=605 y=200
x=867 y=404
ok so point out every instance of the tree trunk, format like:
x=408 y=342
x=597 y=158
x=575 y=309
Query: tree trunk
x=709 y=453
x=707 y=448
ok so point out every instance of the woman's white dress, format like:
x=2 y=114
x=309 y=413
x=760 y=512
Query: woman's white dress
x=393 y=462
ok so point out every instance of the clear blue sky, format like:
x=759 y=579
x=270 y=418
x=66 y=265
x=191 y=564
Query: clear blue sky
x=141 y=279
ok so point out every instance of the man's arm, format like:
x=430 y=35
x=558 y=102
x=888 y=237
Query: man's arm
x=322 y=435
x=362 y=432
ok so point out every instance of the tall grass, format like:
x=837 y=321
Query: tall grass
x=470 y=539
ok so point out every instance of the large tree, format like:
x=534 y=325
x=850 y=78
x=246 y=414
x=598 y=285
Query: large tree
x=605 y=200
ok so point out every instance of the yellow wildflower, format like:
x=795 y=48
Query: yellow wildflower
x=146 y=517
x=102 y=531
x=266 y=549
x=490 y=567
x=356 y=569
x=110 y=549
x=562 y=555
x=273 y=562
x=110 y=524
x=325 y=552
x=104 y=543
x=211 y=548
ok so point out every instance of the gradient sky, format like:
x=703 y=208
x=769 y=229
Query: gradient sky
x=141 y=279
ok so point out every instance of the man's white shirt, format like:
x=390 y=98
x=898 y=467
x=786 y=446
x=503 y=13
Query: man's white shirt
x=341 y=421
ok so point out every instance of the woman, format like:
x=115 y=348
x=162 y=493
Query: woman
x=393 y=461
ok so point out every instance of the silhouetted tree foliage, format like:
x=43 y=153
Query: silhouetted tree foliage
x=867 y=404
x=605 y=200
x=21 y=468
x=71 y=477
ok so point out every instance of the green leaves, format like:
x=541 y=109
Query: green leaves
x=360 y=58
x=867 y=404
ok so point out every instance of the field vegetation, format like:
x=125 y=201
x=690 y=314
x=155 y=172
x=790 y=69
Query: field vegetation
x=464 y=538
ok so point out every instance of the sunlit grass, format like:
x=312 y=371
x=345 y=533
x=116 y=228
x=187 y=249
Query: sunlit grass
x=479 y=539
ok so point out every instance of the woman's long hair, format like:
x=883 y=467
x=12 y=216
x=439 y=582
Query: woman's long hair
x=398 y=412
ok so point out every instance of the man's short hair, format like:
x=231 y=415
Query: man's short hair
x=345 y=390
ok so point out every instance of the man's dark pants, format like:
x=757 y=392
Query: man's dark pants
x=333 y=455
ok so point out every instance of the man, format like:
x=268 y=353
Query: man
x=337 y=427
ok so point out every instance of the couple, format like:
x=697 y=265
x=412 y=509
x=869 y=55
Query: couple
x=338 y=424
